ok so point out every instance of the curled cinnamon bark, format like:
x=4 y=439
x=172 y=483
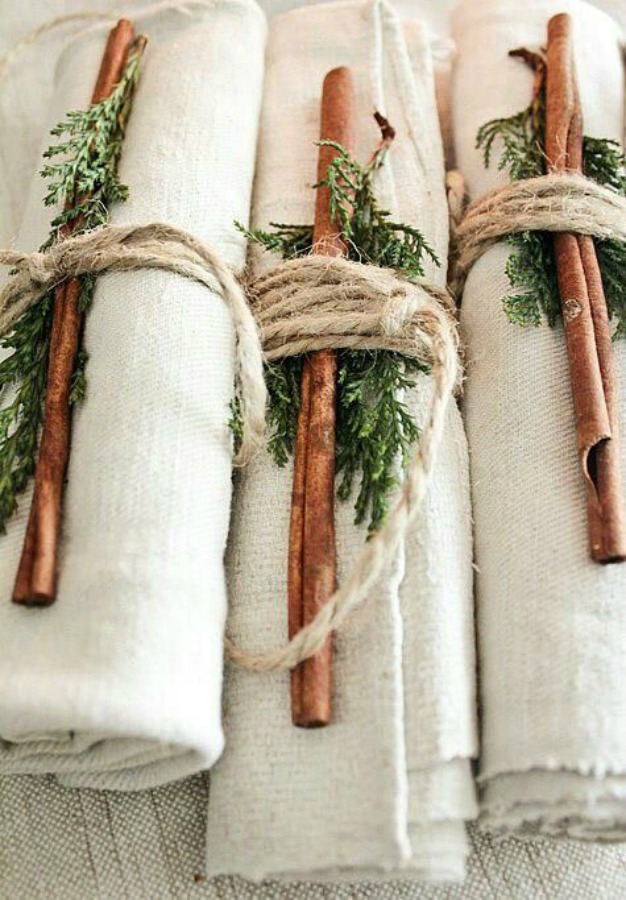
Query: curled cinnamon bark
x=36 y=579
x=585 y=316
x=312 y=554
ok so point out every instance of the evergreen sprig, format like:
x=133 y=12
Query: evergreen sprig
x=82 y=176
x=374 y=430
x=531 y=267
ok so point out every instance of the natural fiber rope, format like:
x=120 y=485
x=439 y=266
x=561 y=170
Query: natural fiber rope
x=558 y=202
x=317 y=302
x=314 y=303
x=155 y=246
x=301 y=305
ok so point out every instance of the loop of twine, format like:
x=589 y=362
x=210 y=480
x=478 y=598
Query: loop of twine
x=118 y=248
x=565 y=202
x=302 y=305
x=318 y=302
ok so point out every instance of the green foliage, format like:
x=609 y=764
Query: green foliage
x=374 y=430
x=84 y=177
x=522 y=148
x=531 y=267
x=289 y=241
x=604 y=161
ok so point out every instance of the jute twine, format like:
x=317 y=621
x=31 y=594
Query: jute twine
x=301 y=306
x=119 y=248
x=317 y=302
x=559 y=202
x=563 y=202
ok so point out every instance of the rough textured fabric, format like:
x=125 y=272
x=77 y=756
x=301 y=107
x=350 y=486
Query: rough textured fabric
x=60 y=844
x=551 y=622
x=387 y=786
x=119 y=683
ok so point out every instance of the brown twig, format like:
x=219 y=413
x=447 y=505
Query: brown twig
x=36 y=579
x=312 y=554
x=585 y=316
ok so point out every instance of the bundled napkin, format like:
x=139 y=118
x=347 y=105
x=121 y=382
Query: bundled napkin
x=552 y=624
x=385 y=789
x=119 y=683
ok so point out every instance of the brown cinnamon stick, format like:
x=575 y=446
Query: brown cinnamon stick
x=296 y=534
x=36 y=579
x=312 y=554
x=585 y=316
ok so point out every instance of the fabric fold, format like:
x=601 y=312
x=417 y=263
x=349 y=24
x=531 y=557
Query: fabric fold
x=551 y=622
x=384 y=791
x=118 y=684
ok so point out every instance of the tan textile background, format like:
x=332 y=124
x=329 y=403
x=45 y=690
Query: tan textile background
x=150 y=846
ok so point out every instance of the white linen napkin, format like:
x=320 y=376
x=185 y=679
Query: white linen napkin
x=552 y=624
x=385 y=789
x=118 y=684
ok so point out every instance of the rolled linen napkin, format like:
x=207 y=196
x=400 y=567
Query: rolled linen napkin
x=552 y=624
x=119 y=683
x=385 y=789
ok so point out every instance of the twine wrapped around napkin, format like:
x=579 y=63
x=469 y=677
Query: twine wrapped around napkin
x=119 y=683
x=385 y=789
x=552 y=624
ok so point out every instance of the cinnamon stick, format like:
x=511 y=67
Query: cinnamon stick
x=585 y=315
x=296 y=534
x=312 y=553
x=36 y=579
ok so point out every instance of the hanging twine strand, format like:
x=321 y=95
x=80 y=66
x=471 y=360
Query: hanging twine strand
x=300 y=305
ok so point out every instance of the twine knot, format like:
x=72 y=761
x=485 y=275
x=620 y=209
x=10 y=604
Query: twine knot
x=36 y=268
x=314 y=303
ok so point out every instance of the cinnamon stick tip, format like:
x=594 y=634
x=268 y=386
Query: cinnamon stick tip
x=302 y=720
x=124 y=25
x=338 y=78
x=559 y=25
x=33 y=601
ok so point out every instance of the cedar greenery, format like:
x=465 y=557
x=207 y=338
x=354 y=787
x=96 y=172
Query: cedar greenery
x=82 y=174
x=374 y=427
x=531 y=267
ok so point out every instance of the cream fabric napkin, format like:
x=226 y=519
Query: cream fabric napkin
x=119 y=683
x=385 y=789
x=552 y=624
